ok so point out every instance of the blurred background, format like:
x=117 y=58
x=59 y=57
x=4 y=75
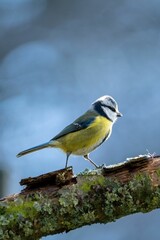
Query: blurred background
x=56 y=58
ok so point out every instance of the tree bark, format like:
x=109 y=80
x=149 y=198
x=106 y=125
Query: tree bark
x=59 y=201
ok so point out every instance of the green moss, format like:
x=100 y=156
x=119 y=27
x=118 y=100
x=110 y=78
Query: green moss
x=24 y=209
x=87 y=184
x=23 y=216
x=93 y=199
x=122 y=199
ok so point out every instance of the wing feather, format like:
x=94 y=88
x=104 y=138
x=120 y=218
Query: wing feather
x=80 y=123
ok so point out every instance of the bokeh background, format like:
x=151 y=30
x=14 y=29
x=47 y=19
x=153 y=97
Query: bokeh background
x=56 y=58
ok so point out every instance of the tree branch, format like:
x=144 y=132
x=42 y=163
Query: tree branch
x=59 y=201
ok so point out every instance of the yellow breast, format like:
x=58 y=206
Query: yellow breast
x=86 y=140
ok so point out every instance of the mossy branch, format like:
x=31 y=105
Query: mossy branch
x=59 y=201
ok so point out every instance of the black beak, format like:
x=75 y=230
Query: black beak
x=119 y=114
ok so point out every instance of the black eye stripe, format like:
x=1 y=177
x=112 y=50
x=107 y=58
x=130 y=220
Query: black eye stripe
x=111 y=108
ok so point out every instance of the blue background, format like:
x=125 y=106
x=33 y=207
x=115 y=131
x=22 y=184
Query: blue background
x=56 y=58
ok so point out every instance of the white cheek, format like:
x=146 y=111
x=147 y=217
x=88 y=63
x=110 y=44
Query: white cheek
x=112 y=115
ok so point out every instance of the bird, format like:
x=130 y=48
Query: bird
x=86 y=133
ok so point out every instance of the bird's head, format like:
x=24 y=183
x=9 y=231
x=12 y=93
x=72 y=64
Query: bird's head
x=107 y=107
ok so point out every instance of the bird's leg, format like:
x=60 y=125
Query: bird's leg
x=68 y=154
x=86 y=157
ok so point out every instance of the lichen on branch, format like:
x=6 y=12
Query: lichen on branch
x=59 y=201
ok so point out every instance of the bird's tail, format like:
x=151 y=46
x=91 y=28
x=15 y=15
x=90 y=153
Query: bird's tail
x=33 y=149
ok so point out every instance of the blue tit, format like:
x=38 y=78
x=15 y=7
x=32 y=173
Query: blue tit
x=87 y=132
